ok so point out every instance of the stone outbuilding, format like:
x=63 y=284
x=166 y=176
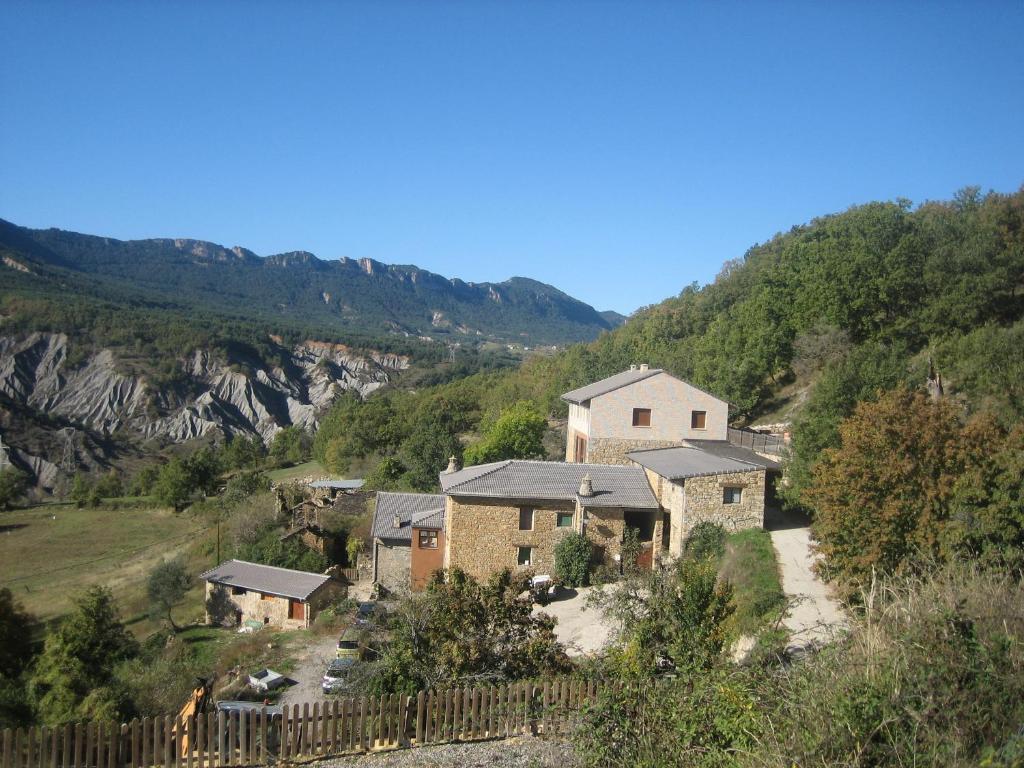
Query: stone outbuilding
x=408 y=539
x=239 y=592
x=512 y=514
x=707 y=481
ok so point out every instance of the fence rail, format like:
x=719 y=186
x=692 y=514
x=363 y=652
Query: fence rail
x=757 y=441
x=323 y=729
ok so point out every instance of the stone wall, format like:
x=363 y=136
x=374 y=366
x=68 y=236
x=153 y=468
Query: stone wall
x=272 y=610
x=704 y=501
x=605 y=528
x=483 y=535
x=391 y=565
x=700 y=499
x=614 y=450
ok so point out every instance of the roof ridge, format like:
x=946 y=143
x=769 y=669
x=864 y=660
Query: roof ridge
x=497 y=465
x=274 y=567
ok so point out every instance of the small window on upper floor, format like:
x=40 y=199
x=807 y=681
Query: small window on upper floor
x=564 y=520
x=526 y=518
x=428 y=539
x=641 y=417
x=698 y=419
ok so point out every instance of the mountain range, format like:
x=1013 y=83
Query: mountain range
x=346 y=296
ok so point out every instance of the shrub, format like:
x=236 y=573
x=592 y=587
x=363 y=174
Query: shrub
x=702 y=718
x=572 y=560
x=931 y=675
x=705 y=540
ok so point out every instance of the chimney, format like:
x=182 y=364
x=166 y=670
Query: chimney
x=397 y=521
x=644 y=366
x=586 y=487
x=453 y=466
x=632 y=367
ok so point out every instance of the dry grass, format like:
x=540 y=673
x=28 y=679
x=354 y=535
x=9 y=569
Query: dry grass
x=51 y=554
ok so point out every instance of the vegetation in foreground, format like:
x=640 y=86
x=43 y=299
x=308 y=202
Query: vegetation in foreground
x=932 y=673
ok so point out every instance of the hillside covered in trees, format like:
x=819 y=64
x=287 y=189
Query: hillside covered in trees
x=802 y=328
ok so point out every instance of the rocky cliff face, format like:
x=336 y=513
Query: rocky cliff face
x=216 y=396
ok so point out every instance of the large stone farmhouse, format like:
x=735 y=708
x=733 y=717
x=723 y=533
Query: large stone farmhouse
x=644 y=450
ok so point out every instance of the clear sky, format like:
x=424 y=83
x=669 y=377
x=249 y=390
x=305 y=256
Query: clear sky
x=616 y=150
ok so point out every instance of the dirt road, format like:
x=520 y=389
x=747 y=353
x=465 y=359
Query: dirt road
x=309 y=671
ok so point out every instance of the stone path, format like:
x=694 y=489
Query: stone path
x=814 y=615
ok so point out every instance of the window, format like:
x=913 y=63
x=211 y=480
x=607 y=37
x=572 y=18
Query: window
x=238 y=590
x=265 y=596
x=580 y=449
x=524 y=556
x=732 y=495
x=525 y=518
x=296 y=610
x=428 y=539
x=641 y=417
x=698 y=420
x=564 y=520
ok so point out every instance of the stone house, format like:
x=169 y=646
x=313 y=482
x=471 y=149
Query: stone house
x=408 y=539
x=512 y=514
x=240 y=592
x=638 y=409
x=706 y=481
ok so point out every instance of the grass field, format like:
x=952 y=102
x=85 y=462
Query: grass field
x=310 y=468
x=52 y=553
x=750 y=566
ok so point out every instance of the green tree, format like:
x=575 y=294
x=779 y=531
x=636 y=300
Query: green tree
x=676 y=614
x=74 y=677
x=108 y=486
x=174 y=485
x=167 y=585
x=13 y=484
x=290 y=445
x=883 y=496
x=81 y=489
x=460 y=631
x=572 y=560
x=517 y=434
x=16 y=652
x=426 y=451
x=242 y=452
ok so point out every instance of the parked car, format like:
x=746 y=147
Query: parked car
x=351 y=644
x=337 y=674
x=365 y=613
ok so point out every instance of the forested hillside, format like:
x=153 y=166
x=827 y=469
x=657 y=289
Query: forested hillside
x=803 y=326
x=342 y=299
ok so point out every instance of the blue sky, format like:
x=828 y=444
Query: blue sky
x=616 y=150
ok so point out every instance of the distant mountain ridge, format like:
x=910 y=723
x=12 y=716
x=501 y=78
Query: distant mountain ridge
x=360 y=295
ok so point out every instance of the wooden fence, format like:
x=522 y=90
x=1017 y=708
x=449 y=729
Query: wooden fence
x=290 y=734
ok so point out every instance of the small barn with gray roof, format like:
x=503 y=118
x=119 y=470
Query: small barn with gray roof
x=239 y=592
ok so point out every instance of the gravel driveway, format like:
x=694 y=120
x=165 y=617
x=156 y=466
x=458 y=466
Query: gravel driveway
x=520 y=752
x=309 y=671
x=582 y=630
x=814 y=615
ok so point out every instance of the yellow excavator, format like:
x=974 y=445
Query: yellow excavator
x=196 y=705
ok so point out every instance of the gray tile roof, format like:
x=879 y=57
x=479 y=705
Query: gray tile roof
x=266 y=578
x=604 y=386
x=680 y=462
x=341 y=485
x=425 y=510
x=614 y=486
x=727 y=450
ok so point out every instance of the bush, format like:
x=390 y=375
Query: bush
x=703 y=718
x=572 y=560
x=930 y=676
x=705 y=540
